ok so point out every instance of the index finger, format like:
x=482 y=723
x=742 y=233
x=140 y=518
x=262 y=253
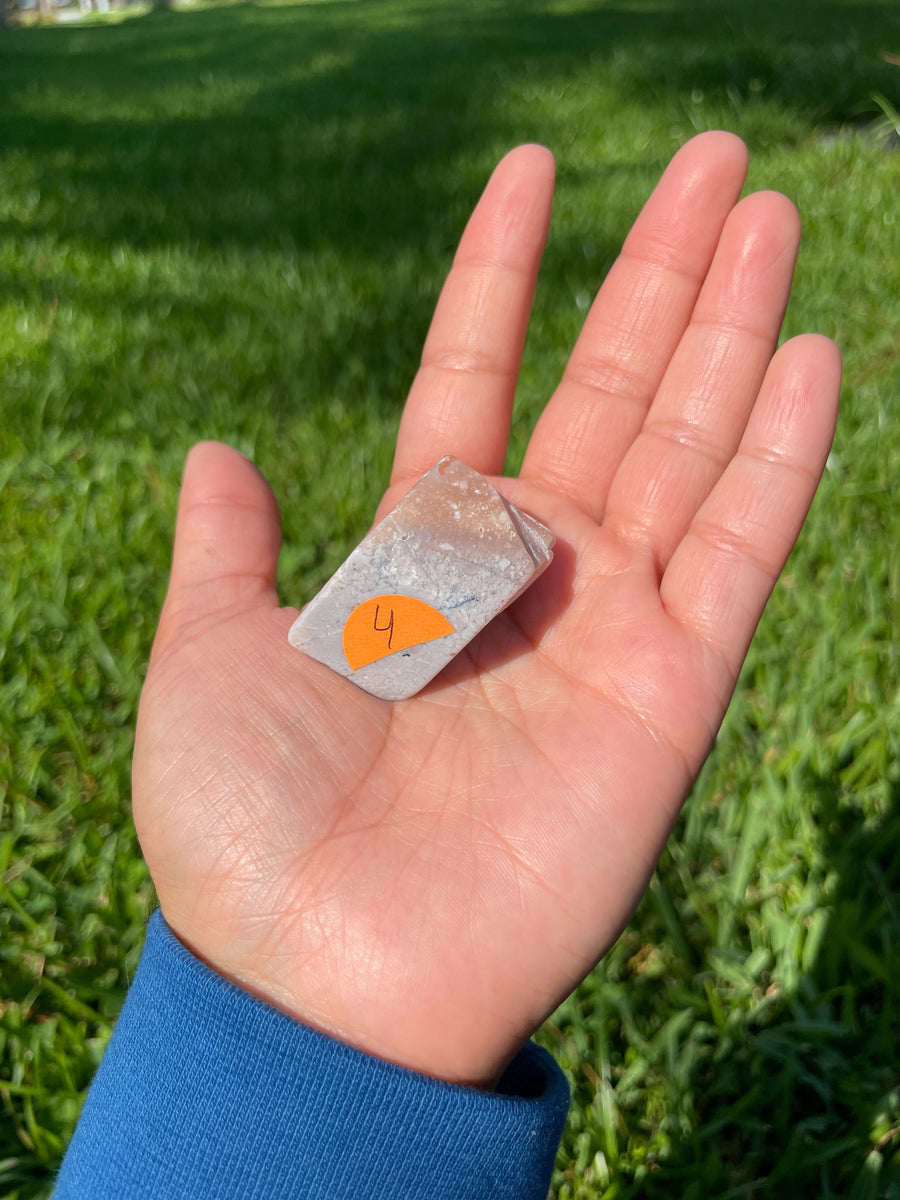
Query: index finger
x=461 y=399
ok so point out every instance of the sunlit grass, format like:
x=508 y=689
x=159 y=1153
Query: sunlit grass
x=234 y=223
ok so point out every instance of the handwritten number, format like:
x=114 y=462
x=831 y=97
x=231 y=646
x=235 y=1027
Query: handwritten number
x=388 y=629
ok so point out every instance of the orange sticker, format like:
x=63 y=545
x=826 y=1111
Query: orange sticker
x=386 y=624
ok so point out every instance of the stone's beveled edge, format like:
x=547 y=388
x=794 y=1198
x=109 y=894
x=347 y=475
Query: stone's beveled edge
x=537 y=538
x=427 y=659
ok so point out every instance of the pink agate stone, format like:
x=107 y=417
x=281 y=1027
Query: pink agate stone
x=442 y=564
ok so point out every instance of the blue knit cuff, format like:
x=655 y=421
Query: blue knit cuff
x=206 y=1093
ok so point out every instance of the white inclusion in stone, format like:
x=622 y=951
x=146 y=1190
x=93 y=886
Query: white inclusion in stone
x=442 y=564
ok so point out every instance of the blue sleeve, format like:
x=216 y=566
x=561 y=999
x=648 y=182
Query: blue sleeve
x=206 y=1093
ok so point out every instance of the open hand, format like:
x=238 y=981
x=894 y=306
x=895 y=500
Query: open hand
x=428 y=879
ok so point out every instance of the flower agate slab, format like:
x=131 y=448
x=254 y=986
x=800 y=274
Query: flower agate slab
x=442 y=564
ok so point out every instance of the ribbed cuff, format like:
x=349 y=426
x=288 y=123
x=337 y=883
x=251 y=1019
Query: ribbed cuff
x=207 y=1092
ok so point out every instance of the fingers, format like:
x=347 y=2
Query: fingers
x=227 y=539
x=461 y=399
x=636 y=323
x=720 y=576
x=698 y=415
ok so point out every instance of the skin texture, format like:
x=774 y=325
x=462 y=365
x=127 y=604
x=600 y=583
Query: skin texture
x=428 y=879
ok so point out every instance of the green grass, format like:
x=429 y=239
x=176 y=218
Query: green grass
x=233 y=223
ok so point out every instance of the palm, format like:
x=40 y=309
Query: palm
x=428 y=879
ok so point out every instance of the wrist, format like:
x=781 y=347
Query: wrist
x=462 y=1054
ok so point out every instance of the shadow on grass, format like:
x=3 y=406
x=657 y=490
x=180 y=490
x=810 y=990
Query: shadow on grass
x=342 y=123
x=356 y=130
x=811 y=1100
x=805 y=1100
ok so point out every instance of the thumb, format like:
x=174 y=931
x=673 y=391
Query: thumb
x=227 y=540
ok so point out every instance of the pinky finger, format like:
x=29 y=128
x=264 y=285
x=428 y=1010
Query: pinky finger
x=721 y=575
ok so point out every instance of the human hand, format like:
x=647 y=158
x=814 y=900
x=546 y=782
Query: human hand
x=428 y=879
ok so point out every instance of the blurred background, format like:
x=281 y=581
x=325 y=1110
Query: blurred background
x=233 y=221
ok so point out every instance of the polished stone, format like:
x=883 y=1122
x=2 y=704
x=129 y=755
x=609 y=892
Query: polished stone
x=443 y=563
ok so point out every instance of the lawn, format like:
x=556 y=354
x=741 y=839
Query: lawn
x=233 y=222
